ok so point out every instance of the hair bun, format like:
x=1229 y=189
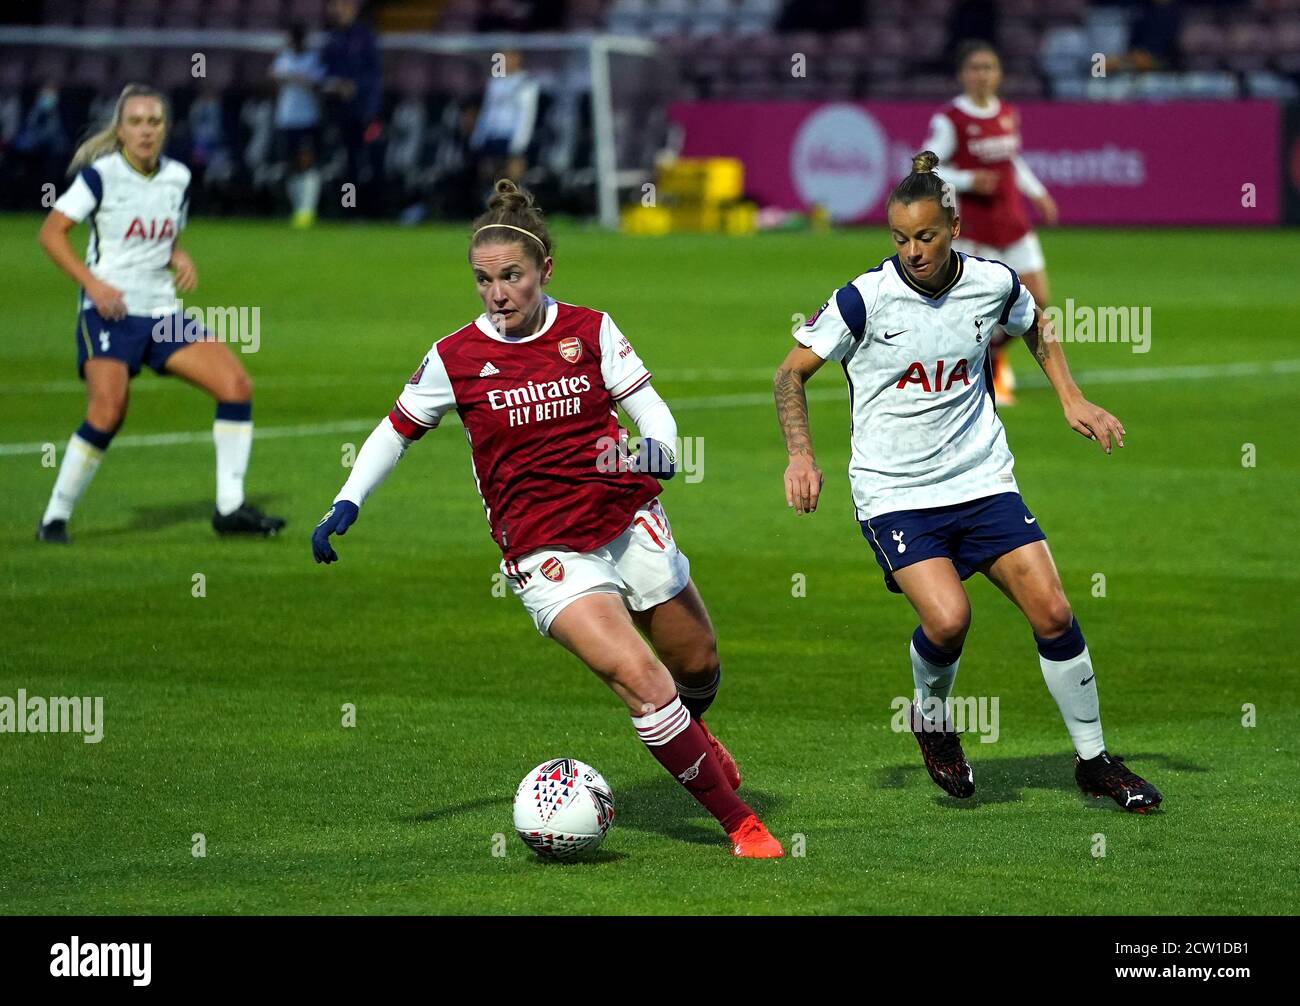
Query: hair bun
x=509 y=197
x=925 y=162
x=513 y=207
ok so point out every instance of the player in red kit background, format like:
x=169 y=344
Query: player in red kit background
x=585 y=543
x=977 y=138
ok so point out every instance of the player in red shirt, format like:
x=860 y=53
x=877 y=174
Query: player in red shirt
x=585 y=543
x=977 y=138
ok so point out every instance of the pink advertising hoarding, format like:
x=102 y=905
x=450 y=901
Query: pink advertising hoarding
x=1105 y=164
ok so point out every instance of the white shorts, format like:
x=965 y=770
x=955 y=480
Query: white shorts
x=1024 y=256
x=642 y=565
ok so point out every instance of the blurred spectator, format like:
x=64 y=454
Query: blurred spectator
x=42 y=142
x=209 y=153
x=257 y=123
x=521 y=15
x=351 y=59
x=1153 y=40
x=404 y=156
x=299 y=71
x=456 y=193
x=506 y=122
x=820 y=15
x=11 y=118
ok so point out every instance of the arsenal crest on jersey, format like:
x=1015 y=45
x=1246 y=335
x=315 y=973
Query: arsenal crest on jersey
x=571 y=349
x=419 y=372
x=552 y=568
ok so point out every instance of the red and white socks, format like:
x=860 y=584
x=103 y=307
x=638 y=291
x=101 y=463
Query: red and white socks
x=679 y=745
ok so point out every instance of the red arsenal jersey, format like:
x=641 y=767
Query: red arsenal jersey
x=990 y=143
x=540 y=416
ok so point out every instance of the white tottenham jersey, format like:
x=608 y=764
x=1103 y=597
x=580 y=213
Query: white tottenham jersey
x=134 y=221
x=925 y=432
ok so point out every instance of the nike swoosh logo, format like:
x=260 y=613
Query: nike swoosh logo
x=1086 y=680
x=1030 y=520
x=890 y=335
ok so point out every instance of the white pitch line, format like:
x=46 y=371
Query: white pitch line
x=205 y=436
x=1189 y=372
x=1193 y=372
x=1126 y=375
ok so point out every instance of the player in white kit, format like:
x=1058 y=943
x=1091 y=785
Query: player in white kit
x=931 y=472
x=135 y=202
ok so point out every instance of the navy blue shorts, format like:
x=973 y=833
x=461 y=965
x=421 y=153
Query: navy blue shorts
x=496 y=147
x=136 y=340
x=970 y=534
x=296 y=140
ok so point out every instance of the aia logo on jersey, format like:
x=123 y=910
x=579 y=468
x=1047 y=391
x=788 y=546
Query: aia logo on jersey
x=419 y=372
x=816 y=314
x=553 y=569
x=154 y=233
x=916 y=374
x=571 y=349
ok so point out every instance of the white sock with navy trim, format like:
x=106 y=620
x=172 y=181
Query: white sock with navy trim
x=232 y=435
x=81 y=460
x=934 y=669
x=1067 y=669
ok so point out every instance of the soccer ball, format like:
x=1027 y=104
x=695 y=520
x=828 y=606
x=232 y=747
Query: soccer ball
x=563 y=808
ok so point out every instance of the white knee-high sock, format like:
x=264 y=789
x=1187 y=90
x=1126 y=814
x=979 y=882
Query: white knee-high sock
x=232 y=434
x=294 y=185
x=1067 y=669
x=934 y=669
x=80 y=461
x=310 y=189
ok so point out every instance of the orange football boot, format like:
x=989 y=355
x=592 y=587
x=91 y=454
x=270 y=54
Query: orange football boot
x=751 y=840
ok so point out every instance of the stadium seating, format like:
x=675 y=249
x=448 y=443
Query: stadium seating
x=721 y=49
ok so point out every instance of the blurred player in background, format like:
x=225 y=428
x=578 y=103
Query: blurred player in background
x=585 y=543
x=298 y=71
x=931 y=472
x=136 y=202
x=977 y=139
x=506 y=121
x=352 y=82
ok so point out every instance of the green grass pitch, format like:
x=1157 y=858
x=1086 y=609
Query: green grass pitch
x=223 y=713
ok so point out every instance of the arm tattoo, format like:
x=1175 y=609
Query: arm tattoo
x=1036 y=340
x=792 y=411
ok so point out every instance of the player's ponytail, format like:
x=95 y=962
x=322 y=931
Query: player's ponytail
x=105 y=141
x=923 y=183
x=512 y=216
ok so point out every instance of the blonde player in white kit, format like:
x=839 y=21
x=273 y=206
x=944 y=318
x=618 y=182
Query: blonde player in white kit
x=135 y=202
x=931 y=472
